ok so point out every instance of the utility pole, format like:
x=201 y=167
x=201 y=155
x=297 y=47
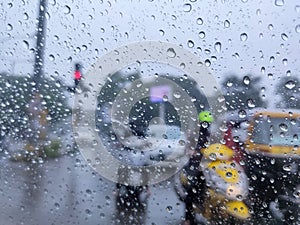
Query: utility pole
x=37 y=114
x=40 y=44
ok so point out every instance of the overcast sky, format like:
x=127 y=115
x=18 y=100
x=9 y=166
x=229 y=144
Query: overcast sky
x=252 y=34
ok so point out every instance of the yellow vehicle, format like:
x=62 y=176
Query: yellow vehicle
x=274 y=134
x=272 y=164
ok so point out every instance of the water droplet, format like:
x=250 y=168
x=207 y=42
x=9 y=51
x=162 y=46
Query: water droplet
x=165 y=98
x=226 y=23
x=190 y=44
x=51 y=57
x=236 y=139
x=187 y=7
x=290 y=84
x=243 y=37
x=171 y=53
x=177 y=94
x=88 y=191
x=283 y=127
x=229 y=83
x=250 y=103
x=162 y=32
x=270 y=27
x=246 y=80
x=279 y=2
x=297 y=28
x=287 y=167
x=57 y=206
x=228 y=174
x=207 y=62
x=199 y=21
x=25 y=16
x=88 y=212
x=202 y=34
x=169 y=208
x=284 y=37
x=218 y=46
x=67 y=9
x=25 y=44
x=242 y=113
x=9 y=27
x=285 y=62
x=258 y=12
x=212 y=156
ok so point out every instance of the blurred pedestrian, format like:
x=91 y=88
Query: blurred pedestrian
x=196 y=187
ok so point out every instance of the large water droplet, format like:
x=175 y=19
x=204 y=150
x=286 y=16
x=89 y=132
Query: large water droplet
x=169 y=208
x=284 y=37
x=246 y=80
x=242 y=113
x=243 y=37
x=250 y=103
x=290 y=84
x=25 y=44
x=202 y=34
x=190 y=44
x=51 y=57
x=207 y=63
x=199 y=21
x=67 y=9
x=229 y=83
x=226 y=23
x=283 y=127
x=171 y=53
x=287 y=167
x=218 y=46
x=25 y=16
x=9 y=27
x=177 y=94
x=187 y=7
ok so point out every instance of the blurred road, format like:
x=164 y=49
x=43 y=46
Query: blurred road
x=67 y=191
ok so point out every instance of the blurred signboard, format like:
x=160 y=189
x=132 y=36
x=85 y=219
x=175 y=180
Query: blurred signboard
x=159 y=93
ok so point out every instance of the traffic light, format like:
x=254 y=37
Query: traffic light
x=77 y=73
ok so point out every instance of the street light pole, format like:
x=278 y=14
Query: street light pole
x=40 y=43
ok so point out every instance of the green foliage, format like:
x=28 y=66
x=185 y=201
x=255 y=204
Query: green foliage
x=242 y=93
x=52 y=150
x=289 y=90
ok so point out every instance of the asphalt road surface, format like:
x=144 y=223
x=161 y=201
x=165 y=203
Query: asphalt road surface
x=66 y=190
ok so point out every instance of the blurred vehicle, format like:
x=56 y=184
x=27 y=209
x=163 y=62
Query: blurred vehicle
x=226 y=188
x=272 y=162
x=167 y=142
x=159 y=143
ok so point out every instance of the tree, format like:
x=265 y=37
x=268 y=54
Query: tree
x=289 y=90
x=242 y=93
x=16 y=95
